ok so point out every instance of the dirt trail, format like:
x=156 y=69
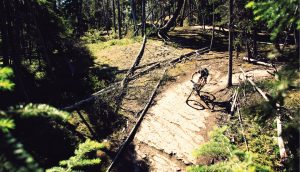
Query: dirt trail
x=173 y=129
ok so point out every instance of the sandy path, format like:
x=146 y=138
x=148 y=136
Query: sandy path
x=172 y=130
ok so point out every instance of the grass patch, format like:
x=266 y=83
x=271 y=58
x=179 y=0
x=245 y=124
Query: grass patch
x=181 y=69
x=94 y=47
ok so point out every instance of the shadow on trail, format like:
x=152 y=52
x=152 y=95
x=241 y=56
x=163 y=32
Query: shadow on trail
x=196 y=39
x=207 y=101
x=129 y=161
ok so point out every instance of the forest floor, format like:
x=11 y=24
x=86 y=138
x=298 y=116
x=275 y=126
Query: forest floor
x=173 y=128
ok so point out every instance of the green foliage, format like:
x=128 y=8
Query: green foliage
x=85 y=156
x=6 y=124
x=239 y=161
x=261 y=140
x=277 y=13
x=92 y=36
x=43 y=110
x=285 y=79
x=5 y=74
x=120 y=42
x=235 y=160
x=219 y=145
x=15 y=158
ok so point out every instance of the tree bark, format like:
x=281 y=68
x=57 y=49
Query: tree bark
x=190 y=12
x=134 y=17
x=114 y=15
x=183 y=13
x=255 y=53
x=143 y=17
x=107 y=19
x=203 y=13
x=119 y=19
x=229 y=82
x=213 y=30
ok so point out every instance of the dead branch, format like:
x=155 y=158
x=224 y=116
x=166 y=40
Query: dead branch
x=92 y=97
x=197 y=52
x=125 y=81
x=282 y=150
x=234 y=97
x=258 y=62
x=94 y=135
x=138 y=123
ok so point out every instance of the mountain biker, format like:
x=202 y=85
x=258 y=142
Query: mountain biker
x=202 y=80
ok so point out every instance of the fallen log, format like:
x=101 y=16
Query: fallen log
x=282 y=150
x=197 y=52
x=125 y=81
x=92 y=97
x=138 y=123
x=234 y=97
x=254 y=61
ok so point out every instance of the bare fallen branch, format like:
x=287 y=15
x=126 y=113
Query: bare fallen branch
x=125 y=81
x=234 y=97
x=254 y=61
x=197 y=52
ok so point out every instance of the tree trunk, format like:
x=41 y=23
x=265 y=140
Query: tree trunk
x=203 y=13
x=229 y=82
x=134 y=17
x=119 y=19
x=255 y=53
x=190 y=13
x=79 y=18
x=183 y=13
x=114 y=15
x=213 y=30
x=4 y=35
x=203 y=21
x=249 y=54
x=297 y=41
x=108 y=25
x=172 y=21
x=143 y=17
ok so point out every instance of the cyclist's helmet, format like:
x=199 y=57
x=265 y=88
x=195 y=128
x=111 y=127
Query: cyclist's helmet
x=204 y=72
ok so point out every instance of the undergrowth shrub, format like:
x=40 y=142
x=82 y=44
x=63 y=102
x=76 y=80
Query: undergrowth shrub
x=218 y=147
x=93 y=36
x=232 y=159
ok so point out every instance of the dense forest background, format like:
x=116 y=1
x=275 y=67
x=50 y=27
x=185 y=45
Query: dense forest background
x=44 y=60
